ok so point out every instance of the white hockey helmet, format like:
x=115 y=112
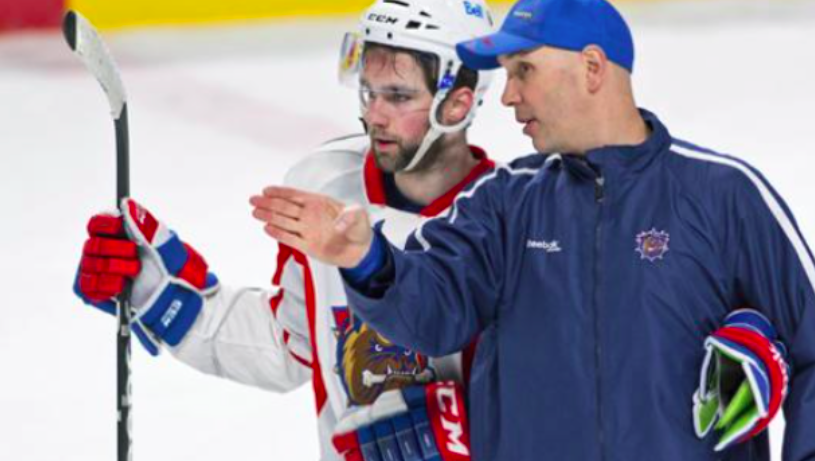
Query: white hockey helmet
x=429 y=26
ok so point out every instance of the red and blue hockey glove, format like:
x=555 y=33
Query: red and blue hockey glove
x=169 y=277
x=419 y=423
x=744 y=379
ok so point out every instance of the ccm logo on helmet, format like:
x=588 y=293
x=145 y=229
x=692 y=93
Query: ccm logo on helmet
x=451 y=421
x=383 y=18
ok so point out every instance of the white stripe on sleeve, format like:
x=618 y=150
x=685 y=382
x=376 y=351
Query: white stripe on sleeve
x=466 y=194
x=772 y=203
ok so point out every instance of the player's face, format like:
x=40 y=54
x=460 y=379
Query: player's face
x=396 y=104
x=543 y=86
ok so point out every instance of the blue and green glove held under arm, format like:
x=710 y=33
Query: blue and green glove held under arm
x=744 y=379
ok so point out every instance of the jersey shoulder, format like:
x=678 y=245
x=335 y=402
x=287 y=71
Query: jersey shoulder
x=334 y=169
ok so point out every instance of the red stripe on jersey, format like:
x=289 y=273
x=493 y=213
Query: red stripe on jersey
x=375 y=183
x=444 y=202
x=320 y=393
x=274 y=302
x=301 y=360
x=347 y=445
x=286 y=338
x=284 y=253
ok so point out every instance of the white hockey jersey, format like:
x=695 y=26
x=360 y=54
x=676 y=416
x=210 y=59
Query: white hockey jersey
x=303 y=329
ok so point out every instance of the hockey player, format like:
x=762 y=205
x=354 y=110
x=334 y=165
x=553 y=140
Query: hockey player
x=417 y=103
x=595 y=270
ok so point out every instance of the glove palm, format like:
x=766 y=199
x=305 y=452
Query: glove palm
x=744 y=379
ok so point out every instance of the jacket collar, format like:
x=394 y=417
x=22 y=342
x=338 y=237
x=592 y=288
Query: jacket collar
x=621 y=161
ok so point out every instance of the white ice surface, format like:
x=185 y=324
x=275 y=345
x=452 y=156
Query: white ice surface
x=218 y=113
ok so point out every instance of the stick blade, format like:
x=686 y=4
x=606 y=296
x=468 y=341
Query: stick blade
x=87 y=45
x=69 y=29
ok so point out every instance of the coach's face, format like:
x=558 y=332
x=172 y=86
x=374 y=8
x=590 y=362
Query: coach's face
x=545 y=89
x=396 y=104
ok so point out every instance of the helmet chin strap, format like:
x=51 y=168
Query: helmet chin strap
x=432 y=136
x=437 y=128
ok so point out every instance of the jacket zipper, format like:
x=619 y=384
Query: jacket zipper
x=599 y=196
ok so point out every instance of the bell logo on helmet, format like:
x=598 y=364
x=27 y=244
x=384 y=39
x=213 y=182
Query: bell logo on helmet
x=447 y=82
x=383 y=18
x=473 y=10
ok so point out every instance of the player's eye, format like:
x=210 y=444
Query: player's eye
x=398 y=97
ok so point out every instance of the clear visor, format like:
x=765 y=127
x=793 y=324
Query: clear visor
x=351 y=59
x=394 y=99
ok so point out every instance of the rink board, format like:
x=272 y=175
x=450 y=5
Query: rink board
x=108 y=14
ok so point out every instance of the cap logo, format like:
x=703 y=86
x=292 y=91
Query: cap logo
x=487 y=41
x=523 y=14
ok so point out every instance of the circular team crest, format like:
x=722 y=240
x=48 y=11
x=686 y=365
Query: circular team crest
x=652 y=245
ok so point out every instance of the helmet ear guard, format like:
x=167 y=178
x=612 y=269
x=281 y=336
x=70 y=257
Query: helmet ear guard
x=429 y=26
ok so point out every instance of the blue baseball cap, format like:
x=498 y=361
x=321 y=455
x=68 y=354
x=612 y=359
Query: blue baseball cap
x=566 y=24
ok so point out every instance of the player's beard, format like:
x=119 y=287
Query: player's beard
x=396 y=161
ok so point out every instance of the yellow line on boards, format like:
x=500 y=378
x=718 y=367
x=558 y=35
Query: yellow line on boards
x=112 y=14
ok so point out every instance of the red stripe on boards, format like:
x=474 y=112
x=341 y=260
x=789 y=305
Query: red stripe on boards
x=30 y=14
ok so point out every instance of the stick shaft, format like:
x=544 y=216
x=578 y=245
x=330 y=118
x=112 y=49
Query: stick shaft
x=123 y=400
x=87 y=45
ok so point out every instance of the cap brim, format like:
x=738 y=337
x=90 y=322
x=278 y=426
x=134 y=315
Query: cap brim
x=482 y=53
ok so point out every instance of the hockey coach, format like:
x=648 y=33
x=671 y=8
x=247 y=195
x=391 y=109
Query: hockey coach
x=593 y=271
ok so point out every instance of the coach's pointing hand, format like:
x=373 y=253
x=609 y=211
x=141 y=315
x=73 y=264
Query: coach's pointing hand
x=314 y=224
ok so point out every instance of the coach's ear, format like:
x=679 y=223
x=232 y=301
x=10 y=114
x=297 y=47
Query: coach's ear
x=596 y=67
x=457 y=106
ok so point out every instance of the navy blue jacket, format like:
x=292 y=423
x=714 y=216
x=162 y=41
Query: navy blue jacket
x=593 y=282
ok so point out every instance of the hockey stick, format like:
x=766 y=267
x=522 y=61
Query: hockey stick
x=91 y=50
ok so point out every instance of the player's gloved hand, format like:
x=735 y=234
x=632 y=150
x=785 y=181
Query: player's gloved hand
x=169 y=277
x=744 y=379
x=418 y=423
